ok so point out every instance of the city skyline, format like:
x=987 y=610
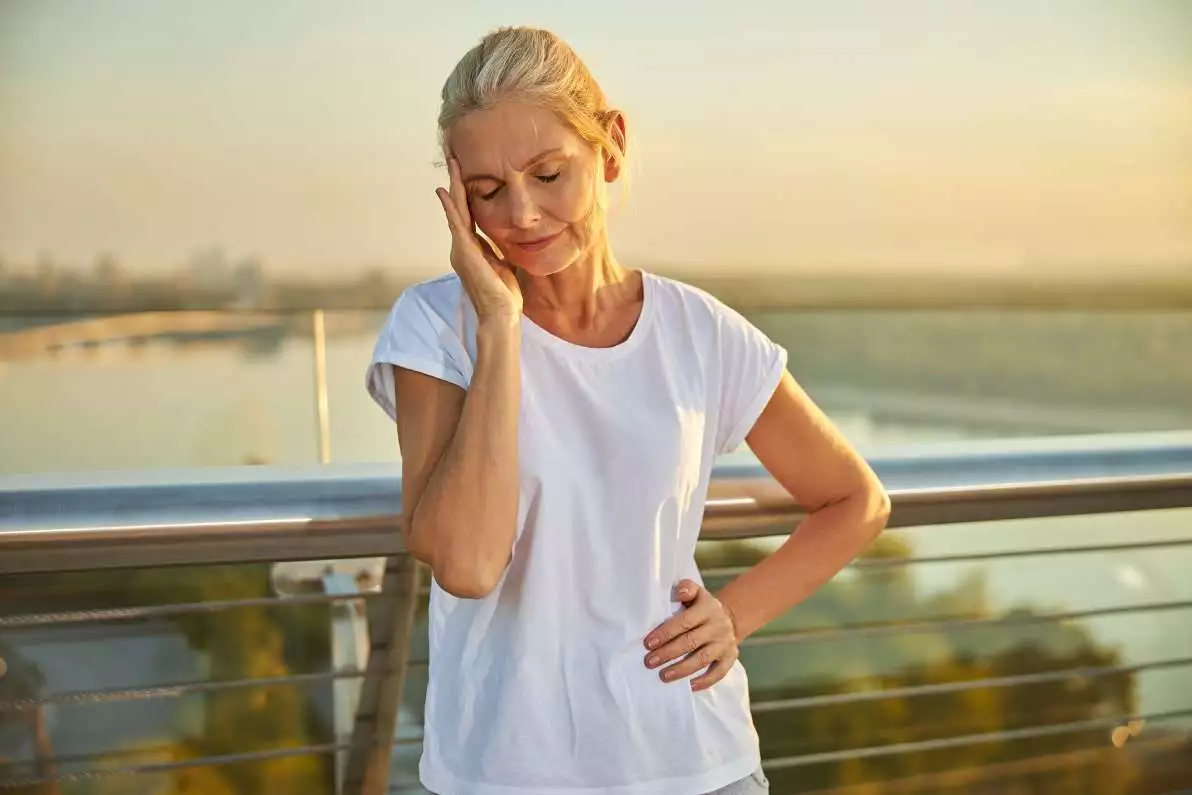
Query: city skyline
x=797 y=138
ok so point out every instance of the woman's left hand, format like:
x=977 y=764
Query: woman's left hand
x=704 y=635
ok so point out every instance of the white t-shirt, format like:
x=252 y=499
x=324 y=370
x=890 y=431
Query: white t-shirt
x=541 y=687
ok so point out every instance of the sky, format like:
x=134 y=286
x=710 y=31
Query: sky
x=969 y=136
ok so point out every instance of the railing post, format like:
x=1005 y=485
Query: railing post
x=319 y=339
x=390 y=621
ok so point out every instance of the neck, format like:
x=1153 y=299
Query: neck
x=594 y=282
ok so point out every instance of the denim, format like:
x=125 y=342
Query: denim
x=755 y=783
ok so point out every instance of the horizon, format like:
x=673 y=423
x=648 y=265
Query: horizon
x=109 y=268
x=1003 y=140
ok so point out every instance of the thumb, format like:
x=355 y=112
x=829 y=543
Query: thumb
x=686 y=590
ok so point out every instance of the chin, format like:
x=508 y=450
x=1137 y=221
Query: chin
x=544 y=264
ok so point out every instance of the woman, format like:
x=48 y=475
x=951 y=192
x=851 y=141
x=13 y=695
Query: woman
x=558 y=415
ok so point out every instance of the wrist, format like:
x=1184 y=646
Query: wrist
x=500 y=325
x=731 y=612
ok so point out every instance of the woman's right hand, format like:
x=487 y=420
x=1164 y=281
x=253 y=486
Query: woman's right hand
x=488 y=280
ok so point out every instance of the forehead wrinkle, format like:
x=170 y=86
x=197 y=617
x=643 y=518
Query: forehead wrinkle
x=527 y=142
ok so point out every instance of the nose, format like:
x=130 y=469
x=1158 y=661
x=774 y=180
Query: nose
x=523 y=210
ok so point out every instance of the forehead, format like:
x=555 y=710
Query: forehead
x=507 y=136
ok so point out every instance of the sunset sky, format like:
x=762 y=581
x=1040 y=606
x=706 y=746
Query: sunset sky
x=964 y=135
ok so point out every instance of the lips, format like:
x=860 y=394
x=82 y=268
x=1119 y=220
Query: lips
x=537 y=244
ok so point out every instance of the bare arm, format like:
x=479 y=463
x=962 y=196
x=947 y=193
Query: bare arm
x=460 y=465
x=460 y=479
x=847 y=507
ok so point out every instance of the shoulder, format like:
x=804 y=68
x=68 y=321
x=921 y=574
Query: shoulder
x=694 y=304
x=435 y=311
x=425 y=331
x=436 y=305
x=702 y=318
x=440 y=294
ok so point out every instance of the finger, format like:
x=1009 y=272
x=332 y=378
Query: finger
x=680 y=623
x=687 y=590
x=687 y=643
x=459 y=193
x=693 y=663
x=454 y=222
x=716 y=671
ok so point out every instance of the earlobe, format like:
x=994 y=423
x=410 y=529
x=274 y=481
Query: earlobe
x=612 y=168
x=614 y=160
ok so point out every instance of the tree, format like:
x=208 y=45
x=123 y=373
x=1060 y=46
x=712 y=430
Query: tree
x=241 y=643
x=22 y=681
x=841 y=664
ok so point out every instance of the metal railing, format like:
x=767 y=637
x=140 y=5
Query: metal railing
x=53 y=526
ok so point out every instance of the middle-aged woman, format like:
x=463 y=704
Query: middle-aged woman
x=558 y=416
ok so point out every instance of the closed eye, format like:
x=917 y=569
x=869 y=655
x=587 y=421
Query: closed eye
x=547 y=178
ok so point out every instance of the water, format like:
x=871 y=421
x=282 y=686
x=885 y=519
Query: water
x=887 y=378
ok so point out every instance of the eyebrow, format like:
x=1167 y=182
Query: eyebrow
x=535 y=160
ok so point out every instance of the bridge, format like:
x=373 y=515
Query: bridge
x=35 y=341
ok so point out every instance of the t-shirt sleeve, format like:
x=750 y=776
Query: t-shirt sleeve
x=751 y=367
x=417 y=337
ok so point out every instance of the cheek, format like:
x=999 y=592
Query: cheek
x=486 y=215
x=574 y=202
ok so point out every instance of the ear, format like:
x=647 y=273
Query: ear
x=614 y=160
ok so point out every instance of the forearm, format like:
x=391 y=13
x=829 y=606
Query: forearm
x=824 y=543
x=466 y=517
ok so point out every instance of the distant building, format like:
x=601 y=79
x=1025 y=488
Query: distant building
x=107 y=272
x=248 y=284
x=208 y=270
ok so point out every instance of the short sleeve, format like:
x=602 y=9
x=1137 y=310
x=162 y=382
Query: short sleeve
x=751 y=367
x=418 y=337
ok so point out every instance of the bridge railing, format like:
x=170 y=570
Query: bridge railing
x=262 y=630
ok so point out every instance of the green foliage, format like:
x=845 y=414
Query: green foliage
x=839 y=664
x=251 y=642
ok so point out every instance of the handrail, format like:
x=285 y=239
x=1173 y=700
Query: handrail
x=194 y=517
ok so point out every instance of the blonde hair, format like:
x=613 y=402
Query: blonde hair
x=535 y=66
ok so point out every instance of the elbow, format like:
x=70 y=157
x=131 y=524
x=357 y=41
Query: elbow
x=468 y=582
x=467 y=565
x=465 y=573
x=878 y=508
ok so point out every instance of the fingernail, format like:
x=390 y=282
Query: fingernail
x=668 y=675
x=652 y=643
x=652 y=661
